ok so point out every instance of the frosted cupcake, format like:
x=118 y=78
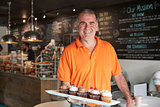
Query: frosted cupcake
x=89 y=91
x=82 y=92
x=106 y=96
x=73 y=90
x=94 y=94
x=64 y=89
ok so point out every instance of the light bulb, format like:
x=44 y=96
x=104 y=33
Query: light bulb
x=74 y=10
x=24 y=21
x=44 y=16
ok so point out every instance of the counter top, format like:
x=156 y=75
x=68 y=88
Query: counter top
x=29 y=76
x=147 y=101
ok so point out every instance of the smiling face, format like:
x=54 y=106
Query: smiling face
x=87 y=26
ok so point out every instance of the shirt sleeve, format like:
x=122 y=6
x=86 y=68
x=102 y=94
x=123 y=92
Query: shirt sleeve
x=64 y=71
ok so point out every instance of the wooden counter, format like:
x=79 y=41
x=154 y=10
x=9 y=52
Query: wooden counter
x=18 y=90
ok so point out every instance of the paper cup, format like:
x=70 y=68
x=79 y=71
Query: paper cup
x=138 y=101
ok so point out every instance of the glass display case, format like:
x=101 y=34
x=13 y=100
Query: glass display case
x=44 y=65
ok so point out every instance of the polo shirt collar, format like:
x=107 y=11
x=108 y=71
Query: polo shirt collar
x=78 y=43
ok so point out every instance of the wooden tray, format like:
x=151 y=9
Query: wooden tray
x=57 y=93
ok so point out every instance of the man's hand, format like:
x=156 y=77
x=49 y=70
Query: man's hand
x=129 y=103
x=65 y=83
x=76 y=102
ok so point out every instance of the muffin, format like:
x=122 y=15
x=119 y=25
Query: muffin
x=73 y=90
x=106 y=96
x=94 y=94
x=82 y=92
x=64 y=89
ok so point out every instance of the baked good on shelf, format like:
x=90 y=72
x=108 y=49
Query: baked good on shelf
x=73 y=90
x=44 y=62
x=94 y=94
x=106 y=96
x=64 y=89
x=82 y=92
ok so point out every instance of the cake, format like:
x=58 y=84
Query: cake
x=64 y=89
x=94 y=94
x=106 y=96
x=82 y=92
x=73 y=90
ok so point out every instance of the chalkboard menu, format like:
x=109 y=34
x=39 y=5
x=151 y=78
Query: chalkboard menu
x=133 y=29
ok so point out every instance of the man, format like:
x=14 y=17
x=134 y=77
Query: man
x=89 y=61
x=26 y=50
x=154 y=85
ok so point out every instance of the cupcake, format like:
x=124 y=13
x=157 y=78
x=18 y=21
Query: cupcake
x=82 y=92
x=106 y=96
x=94 y=94
x=73 y=90
x=89 y=91
x=64 y=89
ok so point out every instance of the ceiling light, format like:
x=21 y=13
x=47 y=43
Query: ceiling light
x=74 y=10
x=44 y=16
x=8 y=39
x=32 y=35
x=24 y=21
x=57 y=13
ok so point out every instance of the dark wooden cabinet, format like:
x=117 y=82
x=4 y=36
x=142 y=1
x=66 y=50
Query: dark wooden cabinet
x=18 y=90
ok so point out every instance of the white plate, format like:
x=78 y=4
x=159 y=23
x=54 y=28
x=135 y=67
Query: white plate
x=55 y=92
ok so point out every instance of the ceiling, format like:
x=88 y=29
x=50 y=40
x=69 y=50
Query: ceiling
x=21 y=9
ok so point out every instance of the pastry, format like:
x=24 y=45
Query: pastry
x=94 y=94
x=64 y=89
x=89 y=91
x=73 y=90
x=106 y=96
x=82 y=92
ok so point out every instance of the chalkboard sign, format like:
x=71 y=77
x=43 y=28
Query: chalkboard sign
x=133 y=29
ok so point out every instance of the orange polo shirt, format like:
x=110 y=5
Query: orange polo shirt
x=81 y=67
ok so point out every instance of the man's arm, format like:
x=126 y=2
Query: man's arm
x=123 y=86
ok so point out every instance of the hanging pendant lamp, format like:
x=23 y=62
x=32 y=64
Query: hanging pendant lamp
x=32 y=35
x=9 y=38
